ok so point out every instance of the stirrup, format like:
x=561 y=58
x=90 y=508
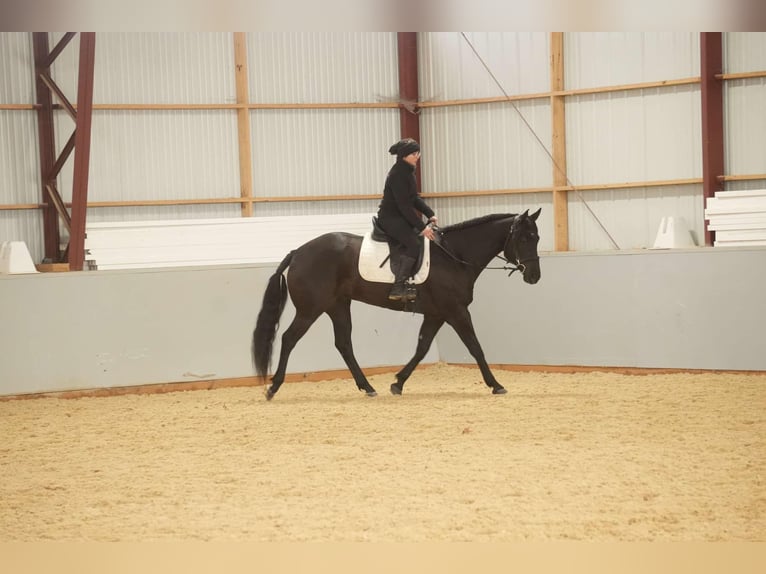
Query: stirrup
x=398 y=292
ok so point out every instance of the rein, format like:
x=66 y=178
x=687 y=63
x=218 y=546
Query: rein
x=518 y=266
x=513 y=267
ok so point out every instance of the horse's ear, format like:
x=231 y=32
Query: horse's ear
x=536 y=214
x=525 y=214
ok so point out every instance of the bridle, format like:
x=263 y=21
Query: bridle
x=511 y=267
x=519 y=264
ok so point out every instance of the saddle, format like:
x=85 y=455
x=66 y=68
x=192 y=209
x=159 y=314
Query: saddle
x=378 y=249
x=379 y=234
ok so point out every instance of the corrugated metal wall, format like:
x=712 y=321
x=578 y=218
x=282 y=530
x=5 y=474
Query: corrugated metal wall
x=19 y=162
x=632 y=136
x=19 y=153
x=322 y=67
x=597 y=59
x=16 y=77
x=321 y=152
x=156 y=154
x=631 y=216
x=485 y=146
x=623 y=137
x=154 y=68
x=450 y=70
x=612 y=138
x=745 y=108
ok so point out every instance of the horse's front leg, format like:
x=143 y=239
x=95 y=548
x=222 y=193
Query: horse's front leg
x=428 y=330
x=463 y=326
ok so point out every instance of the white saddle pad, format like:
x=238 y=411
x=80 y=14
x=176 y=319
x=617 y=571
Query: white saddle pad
x=372 y=254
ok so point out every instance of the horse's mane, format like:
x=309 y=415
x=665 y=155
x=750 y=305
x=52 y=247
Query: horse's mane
x=476 y=221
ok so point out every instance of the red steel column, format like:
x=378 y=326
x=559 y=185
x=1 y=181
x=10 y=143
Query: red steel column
x=82 y=150
x=711 y=63
x=51 y=232
x=409 y=120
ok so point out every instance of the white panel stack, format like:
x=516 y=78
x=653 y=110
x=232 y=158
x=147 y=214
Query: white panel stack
x=192 y=242
x=737 y=217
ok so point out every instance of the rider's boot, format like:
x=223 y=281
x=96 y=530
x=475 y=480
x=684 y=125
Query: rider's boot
x=399 y=290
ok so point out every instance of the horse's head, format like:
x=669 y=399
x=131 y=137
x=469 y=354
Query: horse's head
x=521 y=245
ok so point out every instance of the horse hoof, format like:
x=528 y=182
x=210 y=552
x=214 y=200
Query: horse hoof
x=372 y=393
x=396 y=389
x=499 y=391
x=269 y=394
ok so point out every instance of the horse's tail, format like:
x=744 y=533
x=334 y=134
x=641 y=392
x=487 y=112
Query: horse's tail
x=268 y=318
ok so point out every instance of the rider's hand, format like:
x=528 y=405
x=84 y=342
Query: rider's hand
x=428 y=233
x=432 y=219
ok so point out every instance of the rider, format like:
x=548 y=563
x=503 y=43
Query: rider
x=397 y=212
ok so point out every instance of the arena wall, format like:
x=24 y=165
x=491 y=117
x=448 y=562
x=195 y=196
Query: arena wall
x=697 y=308
x=105 y=329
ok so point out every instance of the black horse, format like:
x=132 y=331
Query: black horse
x=324 y=278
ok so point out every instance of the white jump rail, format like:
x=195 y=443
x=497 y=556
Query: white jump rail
x=195 y=242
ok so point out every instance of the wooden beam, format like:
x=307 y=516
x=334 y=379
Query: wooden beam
x=711 y=64
x=635 y=184
x=628 y=87
x=243 y=123
x=562 y=92
x=52 y=267
x=82 y=150
x=479 y=101
x=18 y=107
x=21 y=206
x=469 y=193
x=558 y=139
x=750 y=177
x=249 y=106
x=389 y=105
x=741 y=75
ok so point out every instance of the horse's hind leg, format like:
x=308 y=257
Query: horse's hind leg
x=340 y=314
x=290 y=338
x=428 y=330
x=463 y=326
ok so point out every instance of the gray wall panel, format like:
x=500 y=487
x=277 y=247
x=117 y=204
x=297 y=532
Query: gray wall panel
x=685 y=309
x=122 y=328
